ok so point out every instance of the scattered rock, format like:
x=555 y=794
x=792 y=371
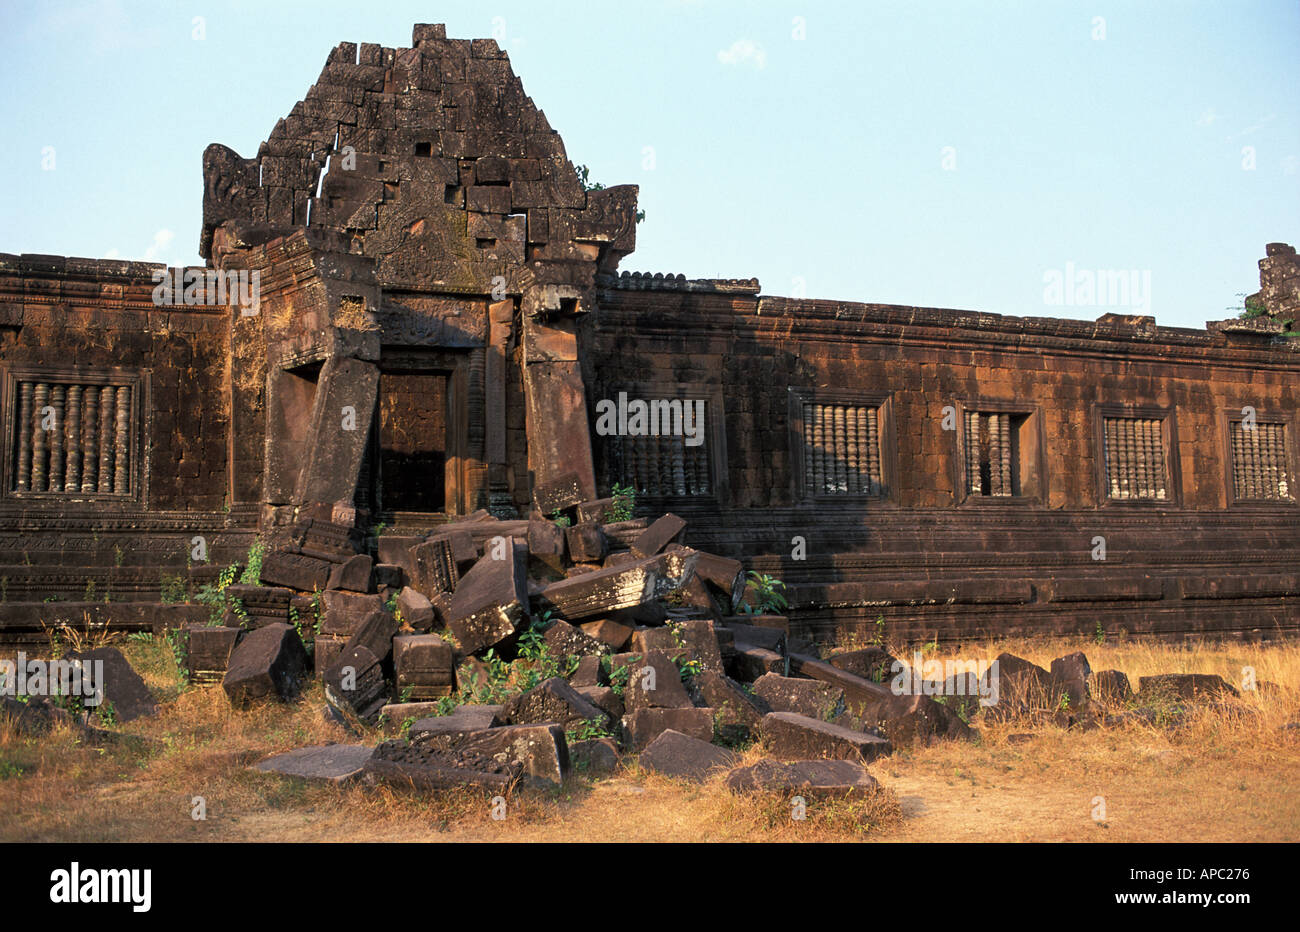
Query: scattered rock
x=332 y=763
x=678 y=755
x=815 y=778
x=791 y=736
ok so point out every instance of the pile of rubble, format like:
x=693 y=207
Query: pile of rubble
x=491 y=651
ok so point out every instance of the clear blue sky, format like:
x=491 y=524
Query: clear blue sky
x=819 y=159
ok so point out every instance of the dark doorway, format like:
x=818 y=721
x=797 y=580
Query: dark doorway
x=412 y=435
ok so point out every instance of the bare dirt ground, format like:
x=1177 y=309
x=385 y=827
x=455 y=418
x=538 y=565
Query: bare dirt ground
x=1219 y=777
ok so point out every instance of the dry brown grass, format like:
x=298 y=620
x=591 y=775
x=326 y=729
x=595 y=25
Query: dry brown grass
x=1218 y=778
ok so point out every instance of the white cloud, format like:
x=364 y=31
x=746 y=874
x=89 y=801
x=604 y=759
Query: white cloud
x=112 y=254
x=1208 y=117
x=161 y=240
x=742 y=51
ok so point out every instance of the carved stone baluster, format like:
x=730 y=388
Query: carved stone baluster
x=72 y=439
x=972 y=453
x=122 y=443
x=58 y=395
x=853 y=451
x=23 y=481
x=867 y=427
x=40 y=437
x=107 y=405
x=839 y=449
x=89 y=438
x=1004 y=423
x=808 y=445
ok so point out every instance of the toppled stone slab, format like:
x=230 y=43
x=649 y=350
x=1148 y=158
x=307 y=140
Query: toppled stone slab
x=608 y=590
x=870 y=663
x=738 y=715
x=655 y=682
x=816 y=778
x=539 y=751
x=415 y=608
x=1111 y=686
x=589 y=672
x=356 y=682
x=461 y=721
x=749 y=663
x=355 y=575
x=260 y=604
x=267 y=662
x=434 y=566
x=1021 y=686
x=701 y=639
x=612 y=633
x=332 y=763
x=120 y=691
x=1071 y=674
x=491 y=601
x=343 y=612
x=1189 y=686
x=664 y=531
x=791 y=736
x=552 y=700
x=325 y=651
x=644 y=725
x=546 y=542
x=807 y=697
x=912 y=719
x=375 y=634
x=586 y=542
x=565 y=640
x=207 y=651
x=605 y=699
x=648 y=639
x=434 y=775
x=564 y=491
x=296 y=571
x=424 y=665
x=594 y=755
x=724 y=575
x=678 y=755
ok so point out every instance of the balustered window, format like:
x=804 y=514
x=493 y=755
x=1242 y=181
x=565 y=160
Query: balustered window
x=72 y=436
x=1134 y=449
x=842 y=444
x=1261 y=466
x=666 y=465
x=1001 y=453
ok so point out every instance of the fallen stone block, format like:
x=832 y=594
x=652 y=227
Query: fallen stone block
x=749 y=663
x=870 y=663
x=818 y=779
x=435 y=566
x=664 y=531
x=540 y=750
x=433 y=775
x=416 y=609
x=464 y=552
x=564 y=640
x=1189 y=686
x=618 y=558
x=267 y=662
x=395 y=549
x=655 y=682
x=589 y=672
x=586 y=543
x=913 y=719
x=355 y=682
x=343 y=612
x=296 y=571
x=611 y=633
x=462 y=720
x=332 y=541
x=701 y=639
x=605 y=699
x=546 y=542
x=119 y=692
x=491 y=602
x=424 y=665
x=645 y=724
x=594 y=755
x=648 y=639
x=389 y=576
x=552 y=700
x=330 y=763
x=1071 y=674
x=608 y=590
x=1111 y=686
x=356 y=575
x=394 y=715
x=724 y=575
x=207 y=651
x=773 y=639
x=325 y=650
x=597 y=510
x=807 y=697
x=376 y=634
x=1020 y=687
x=797 y=737
x=738 y=714
x=677 y=755
x=259 y=605
x=564 y=491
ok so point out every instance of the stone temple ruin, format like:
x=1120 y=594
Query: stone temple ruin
x=439 y=314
